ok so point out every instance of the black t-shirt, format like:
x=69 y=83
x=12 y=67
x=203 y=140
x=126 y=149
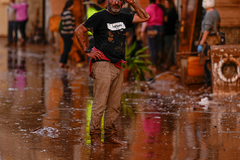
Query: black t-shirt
x=109 y=33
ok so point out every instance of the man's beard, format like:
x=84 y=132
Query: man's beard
x=113 y=9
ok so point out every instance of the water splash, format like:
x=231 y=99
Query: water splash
x=47 y=132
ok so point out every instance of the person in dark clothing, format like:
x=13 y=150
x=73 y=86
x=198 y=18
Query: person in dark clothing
x=11 y=15
x=170 y=21
x=67 y=32
x=163 y=8
x=90 y=11
x=21 y=19
x=209 y=28
x=109 y=31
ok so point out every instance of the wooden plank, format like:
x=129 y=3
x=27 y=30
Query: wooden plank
x=193 y=26
x=188 y=20
x=229 y=11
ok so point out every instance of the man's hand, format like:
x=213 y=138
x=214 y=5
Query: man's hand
x=199 y=48
x=141 y=16
x=95 y=54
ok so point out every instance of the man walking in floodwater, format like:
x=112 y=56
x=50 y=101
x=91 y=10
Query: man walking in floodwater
x=109 y=31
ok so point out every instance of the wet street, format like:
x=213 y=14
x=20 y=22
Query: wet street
x=45 y=114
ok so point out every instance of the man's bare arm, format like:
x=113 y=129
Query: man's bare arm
x=80 y=31
x=204 y=37
x=142 y=15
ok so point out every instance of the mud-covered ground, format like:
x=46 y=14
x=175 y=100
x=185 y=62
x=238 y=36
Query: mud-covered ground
x=45 y=114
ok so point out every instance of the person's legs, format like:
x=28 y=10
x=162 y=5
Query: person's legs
x=113 y=108
x=151 y=39
x=22 y=27
x=102 y=81
x=151 y=49
x=10 y=30
x=207 y=70
x=168 y=41
x=114 y=100
x=207 y=66
x=155 y=43
x=15 y=32
x=208 y=76
x=67 y=40
x=17 y=28
x=159 y=45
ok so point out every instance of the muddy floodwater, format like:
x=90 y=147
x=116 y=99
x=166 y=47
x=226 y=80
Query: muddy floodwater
x=45 y=114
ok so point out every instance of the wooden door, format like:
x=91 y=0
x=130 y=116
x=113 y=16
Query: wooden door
x=189 y=16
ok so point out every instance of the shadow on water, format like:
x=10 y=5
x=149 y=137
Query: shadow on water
x=45 y=114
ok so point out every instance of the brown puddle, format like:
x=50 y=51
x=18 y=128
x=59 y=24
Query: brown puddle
x=45 y=115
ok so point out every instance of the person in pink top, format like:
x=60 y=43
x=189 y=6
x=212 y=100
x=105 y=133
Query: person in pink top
x=153 y=29
x=21 y=18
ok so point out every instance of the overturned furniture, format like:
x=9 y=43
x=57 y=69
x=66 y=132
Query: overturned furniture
x=225 y=60
x=191 y=71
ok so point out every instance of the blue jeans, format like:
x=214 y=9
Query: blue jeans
x=155 y=43
x=12 y=28
x=207 y=68
x=67 y=40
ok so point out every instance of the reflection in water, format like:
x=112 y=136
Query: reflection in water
x=66 y=112
x=152 y=128
x=107 y=153
x=16 y=59
x=17 y=62
x=55 y=108
x=12 y=59
x=148 y=135
x=151 y=124
x=66 y=116
x=59 y=117
x=66 y=97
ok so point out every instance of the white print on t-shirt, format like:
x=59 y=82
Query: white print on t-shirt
x=116 y=26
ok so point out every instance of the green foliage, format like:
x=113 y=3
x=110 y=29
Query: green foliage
x=138 y=63
x=128 y=108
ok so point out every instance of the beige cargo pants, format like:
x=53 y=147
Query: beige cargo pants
x=107 y=96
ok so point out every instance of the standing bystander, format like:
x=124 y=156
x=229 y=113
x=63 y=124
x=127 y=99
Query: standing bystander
x=109 y=31
x=21 y=18
x=11 y=15
x=170 y=21
x=67 y=31
x=154 y=31
x=209 y=29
